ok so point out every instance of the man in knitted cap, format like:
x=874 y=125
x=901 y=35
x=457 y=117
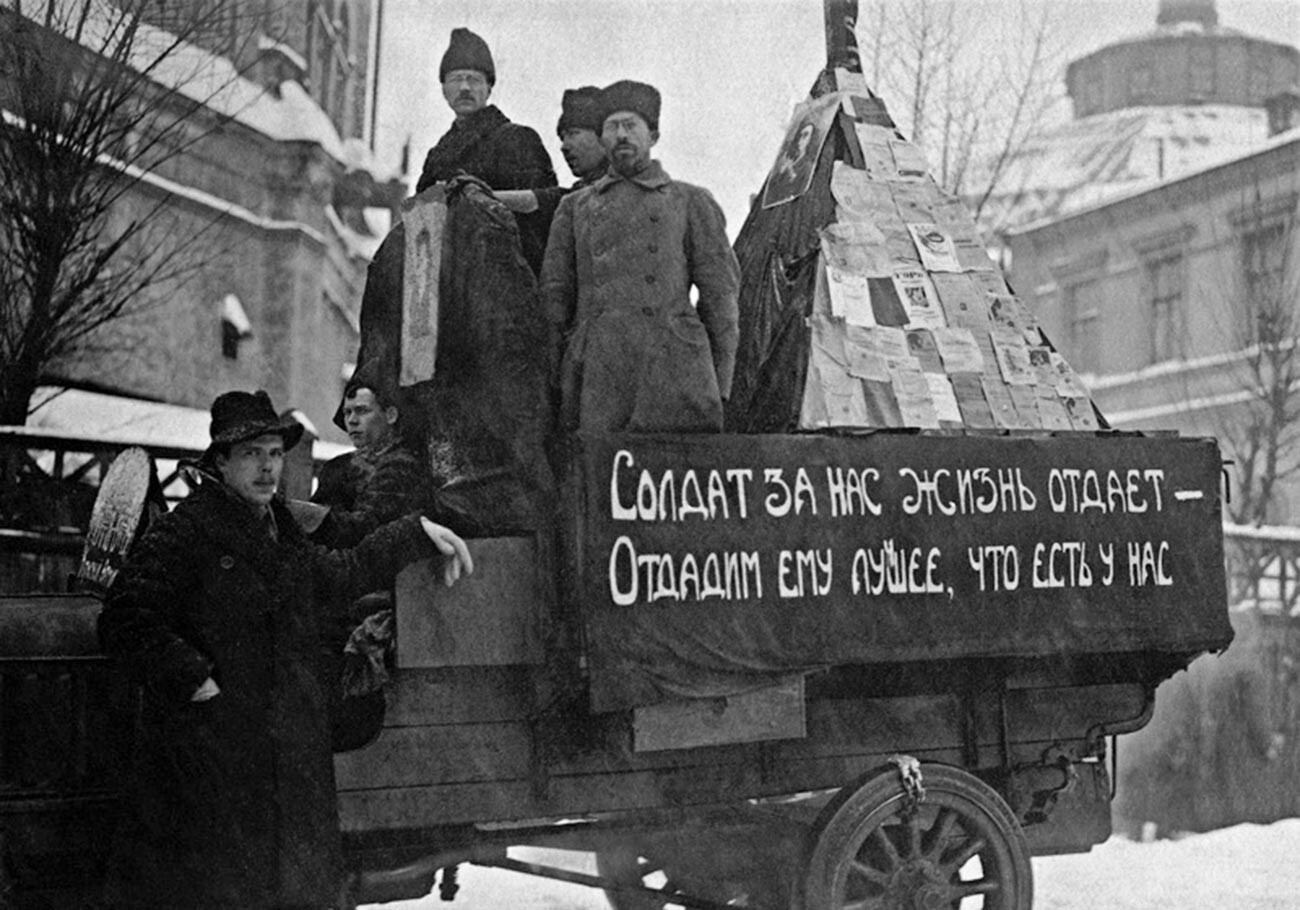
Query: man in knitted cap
x=217 y=615
x=483 y=142
x=622 y=257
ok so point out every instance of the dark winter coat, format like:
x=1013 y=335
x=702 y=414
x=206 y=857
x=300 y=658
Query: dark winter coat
x=621 y=260
x=232 y=804
x=340 y=479
x=372 y=491
x=505 y=156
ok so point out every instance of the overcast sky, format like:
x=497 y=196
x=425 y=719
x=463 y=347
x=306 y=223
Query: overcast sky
x=730 y=71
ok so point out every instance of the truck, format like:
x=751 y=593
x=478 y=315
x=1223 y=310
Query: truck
x=854 y=652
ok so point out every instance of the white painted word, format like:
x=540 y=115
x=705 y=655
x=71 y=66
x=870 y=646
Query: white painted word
x=781 y=499
x=1146 y=564
x=1063 y=564
x=967 y=491
x=850 y=491
x=896 y=570
x=1133 y=491
x=672 y=499
x=804 y=573
x=998 y=567
x=667 y=576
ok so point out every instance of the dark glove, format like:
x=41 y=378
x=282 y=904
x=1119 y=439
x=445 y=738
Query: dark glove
x=466 y=183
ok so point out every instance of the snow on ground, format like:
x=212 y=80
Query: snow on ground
x=1246 y=867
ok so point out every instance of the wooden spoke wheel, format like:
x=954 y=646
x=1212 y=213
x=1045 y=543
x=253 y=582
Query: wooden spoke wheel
x=877 y=847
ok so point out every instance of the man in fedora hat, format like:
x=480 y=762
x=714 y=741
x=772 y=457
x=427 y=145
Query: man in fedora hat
x=622 y=257
x=217 y=614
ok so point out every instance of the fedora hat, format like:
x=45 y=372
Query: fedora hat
x=241 y=416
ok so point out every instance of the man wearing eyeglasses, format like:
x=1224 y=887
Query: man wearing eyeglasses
x=483 y=142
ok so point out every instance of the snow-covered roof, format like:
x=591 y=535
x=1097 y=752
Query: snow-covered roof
x=289 y=114
x=1138 y=187
x=1098 y=158
x=131 y=421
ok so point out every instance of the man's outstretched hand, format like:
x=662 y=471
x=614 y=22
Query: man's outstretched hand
x=450 y=545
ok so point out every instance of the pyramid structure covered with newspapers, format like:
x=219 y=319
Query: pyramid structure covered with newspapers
x=869 y=300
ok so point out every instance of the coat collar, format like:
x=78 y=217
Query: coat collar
x=482 y=122
x=652 y=178
x=447 y=158
x=234 y=526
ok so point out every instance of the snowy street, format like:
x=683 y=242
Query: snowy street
x=1246 y=867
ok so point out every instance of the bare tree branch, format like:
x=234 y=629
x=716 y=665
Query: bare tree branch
x=971 y=104
x=96 y=98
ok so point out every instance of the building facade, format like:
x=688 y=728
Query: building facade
x=1170 y=302
x=1185 y=95
x=281 y=204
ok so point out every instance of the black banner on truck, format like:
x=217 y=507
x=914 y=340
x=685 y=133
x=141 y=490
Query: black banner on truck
x=709 y=563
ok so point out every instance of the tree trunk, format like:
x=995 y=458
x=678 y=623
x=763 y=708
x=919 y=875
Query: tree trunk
x=16 y=391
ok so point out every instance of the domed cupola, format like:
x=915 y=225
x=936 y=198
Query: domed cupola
x=1174 y=11
x=1188 y=59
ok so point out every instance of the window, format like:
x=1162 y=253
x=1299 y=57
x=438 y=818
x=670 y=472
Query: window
x=1083 y=323
x=235 y=326
x=1165 y=279
x=1264 y=273
x=1260 y=80
x=1140 y=83
x=1201 y=71
x=1090 y=98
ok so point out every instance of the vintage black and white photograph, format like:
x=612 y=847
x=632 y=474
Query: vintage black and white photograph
x=576 y=454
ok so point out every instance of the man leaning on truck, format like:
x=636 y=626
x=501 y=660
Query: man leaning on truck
x=622 y=257
x=217 y=614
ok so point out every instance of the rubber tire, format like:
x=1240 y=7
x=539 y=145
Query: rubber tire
x=840 y=835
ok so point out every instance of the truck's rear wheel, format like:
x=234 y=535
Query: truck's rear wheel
x=881 y=845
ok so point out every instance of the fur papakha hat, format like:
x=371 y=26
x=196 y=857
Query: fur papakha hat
x=637 y=97
x=580 y=108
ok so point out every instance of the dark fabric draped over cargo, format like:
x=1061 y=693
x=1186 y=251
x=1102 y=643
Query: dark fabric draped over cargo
x=483 y=417
x=777 y=249
x=684 y=595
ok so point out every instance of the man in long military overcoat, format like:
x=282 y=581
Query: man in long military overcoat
x=217 y=613
x=620 y=263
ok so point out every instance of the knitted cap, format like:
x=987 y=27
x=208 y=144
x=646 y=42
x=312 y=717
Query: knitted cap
x=467 y=52
x=637 y=97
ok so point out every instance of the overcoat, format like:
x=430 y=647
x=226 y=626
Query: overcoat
x=505 y=156
x=232 y=801
x=622 y=257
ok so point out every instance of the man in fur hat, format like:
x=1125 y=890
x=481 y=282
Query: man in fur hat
x=217 y=614
x=622 y=257
x=579 y=132
x=483 y=143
